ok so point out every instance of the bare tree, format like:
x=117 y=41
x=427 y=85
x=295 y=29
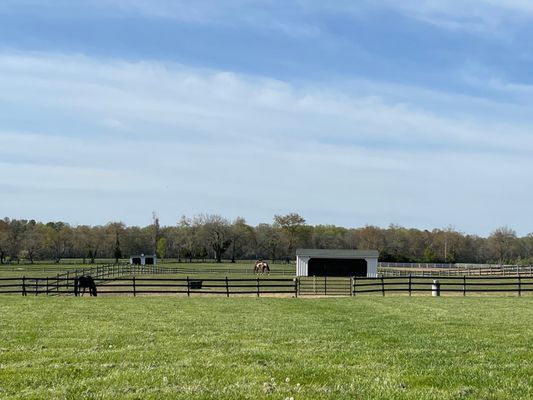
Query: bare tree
x=156 y=231
x=503 y=241
x=240 y=233
x=4 y=227
x=215 y=231
x=33 y=239
x=58 y=237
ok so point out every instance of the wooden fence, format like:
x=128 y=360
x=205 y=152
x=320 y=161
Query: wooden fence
x=135 y=286
x=128 y=279
x=324 y=286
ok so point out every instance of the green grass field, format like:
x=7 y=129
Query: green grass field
x=237 y=348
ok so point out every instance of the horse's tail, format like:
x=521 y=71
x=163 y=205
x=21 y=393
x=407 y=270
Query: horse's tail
x=76 y=285
x=95 y=292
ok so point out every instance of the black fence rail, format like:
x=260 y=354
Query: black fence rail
x=126 y=282
x=410 y=285
x=153 y=286
x=98 y=273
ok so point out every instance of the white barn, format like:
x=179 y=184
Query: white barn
x=318 y=262
x=143 y=260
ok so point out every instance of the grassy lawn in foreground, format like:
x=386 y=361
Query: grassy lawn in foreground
x=218 y=348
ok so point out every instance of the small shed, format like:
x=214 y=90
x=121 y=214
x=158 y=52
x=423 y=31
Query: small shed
x=143 y=260
x=318 y=262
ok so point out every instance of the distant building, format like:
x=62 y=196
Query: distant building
x=143 y=260
x=318 y=262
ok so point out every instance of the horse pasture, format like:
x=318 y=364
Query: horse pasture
x=269 y=348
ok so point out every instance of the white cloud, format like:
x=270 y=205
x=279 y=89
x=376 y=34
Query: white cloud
x=214 y=141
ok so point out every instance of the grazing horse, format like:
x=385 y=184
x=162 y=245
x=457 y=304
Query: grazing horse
x=261 y=266
x=84 y=282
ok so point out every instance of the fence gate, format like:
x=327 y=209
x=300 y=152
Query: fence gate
x=325 y=286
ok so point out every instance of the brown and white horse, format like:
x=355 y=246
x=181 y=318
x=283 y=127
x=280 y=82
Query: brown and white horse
x=260 y=267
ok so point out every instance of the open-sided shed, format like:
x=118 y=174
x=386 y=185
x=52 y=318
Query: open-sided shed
x=143 y=260
x=318 y=262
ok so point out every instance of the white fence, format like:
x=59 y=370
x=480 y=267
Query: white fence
x=436 y=269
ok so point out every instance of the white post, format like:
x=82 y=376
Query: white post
x=435 y=288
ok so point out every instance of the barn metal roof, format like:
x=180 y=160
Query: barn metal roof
x=337 y=253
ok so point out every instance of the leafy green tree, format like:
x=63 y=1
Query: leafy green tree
x=430 y=256
x=291 y=226
x=161 y=250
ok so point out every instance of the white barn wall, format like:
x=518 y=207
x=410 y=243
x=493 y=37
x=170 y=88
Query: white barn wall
x=301 y=265
x=372 y=267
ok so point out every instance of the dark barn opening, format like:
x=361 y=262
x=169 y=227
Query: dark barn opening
x=149 y=261
x=136 y=260
x=337 y=267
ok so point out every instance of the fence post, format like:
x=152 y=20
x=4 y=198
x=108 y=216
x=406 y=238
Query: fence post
x=57 y=284
x=36 y=286
x=519 y=285
x=68 y=273
x=351 y=286
x=382 y=286
x=354 y=284
x=47 y=288
x=188 y=287
x=410 y=289
x=258 y=287
x=134 y=289
x=464 y=285
x=227 y=287
x=24 y=286
x=296 y=287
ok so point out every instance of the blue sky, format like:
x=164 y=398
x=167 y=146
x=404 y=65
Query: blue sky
x=348 y=112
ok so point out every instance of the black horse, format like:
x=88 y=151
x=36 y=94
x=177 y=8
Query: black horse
x=84 y=282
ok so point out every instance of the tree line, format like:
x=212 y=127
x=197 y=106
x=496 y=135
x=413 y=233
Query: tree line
x=213 y=237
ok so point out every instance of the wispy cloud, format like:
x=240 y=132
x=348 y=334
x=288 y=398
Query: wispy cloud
x=478 y=14
x=482 y=16
x=129 y=138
